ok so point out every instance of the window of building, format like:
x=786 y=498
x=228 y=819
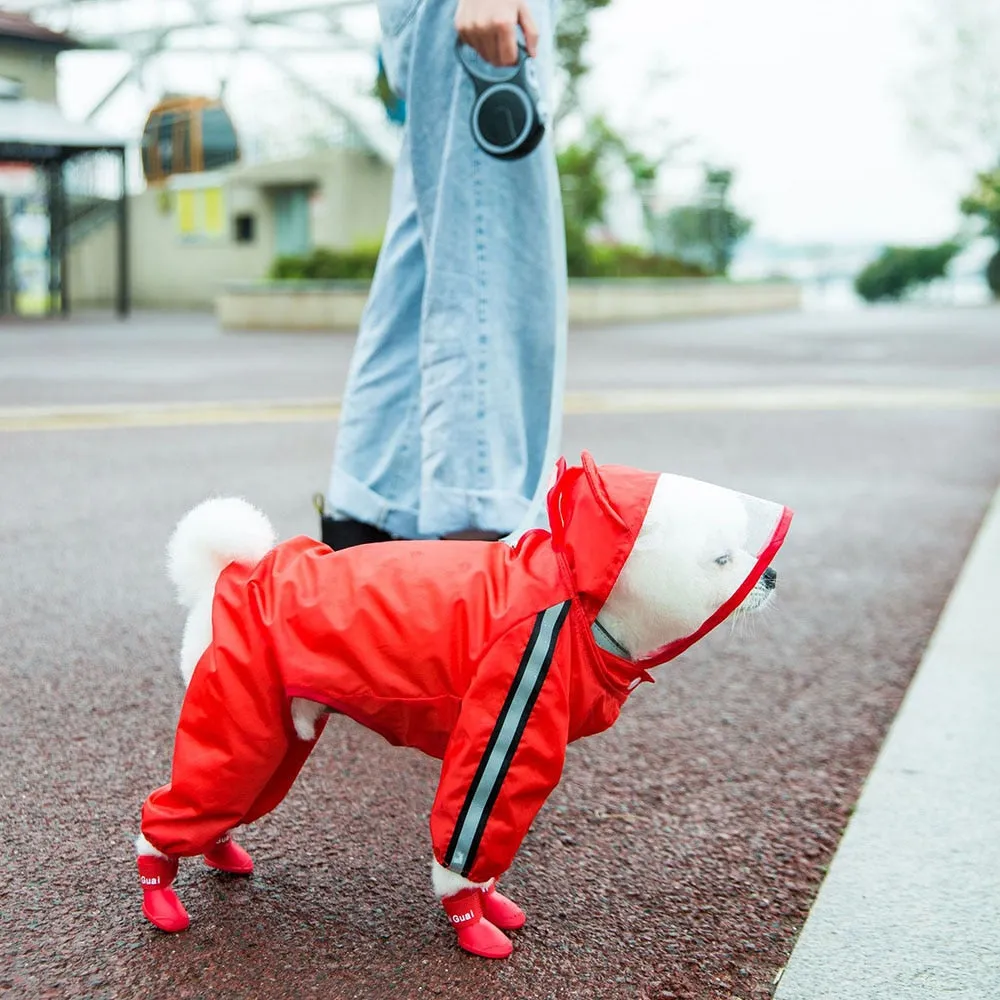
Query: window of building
x=244 y=228
x=201 y=213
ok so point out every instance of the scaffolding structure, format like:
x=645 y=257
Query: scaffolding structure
x=295 y=74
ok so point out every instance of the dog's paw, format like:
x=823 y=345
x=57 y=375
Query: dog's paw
x=305 y=715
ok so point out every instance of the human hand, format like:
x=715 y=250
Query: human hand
x=489 y=27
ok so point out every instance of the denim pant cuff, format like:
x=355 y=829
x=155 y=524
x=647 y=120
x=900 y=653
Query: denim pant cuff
x=444 y=510
x=351 y=498
x=453 y=510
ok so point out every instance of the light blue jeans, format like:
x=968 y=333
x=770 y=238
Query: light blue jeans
x=451 y=417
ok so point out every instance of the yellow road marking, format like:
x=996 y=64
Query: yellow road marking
x=68 y=418
x=598 y=402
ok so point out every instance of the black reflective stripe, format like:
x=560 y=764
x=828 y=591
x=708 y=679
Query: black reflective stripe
x=504 y=739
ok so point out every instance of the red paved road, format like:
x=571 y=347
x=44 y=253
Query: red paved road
x=678 y=857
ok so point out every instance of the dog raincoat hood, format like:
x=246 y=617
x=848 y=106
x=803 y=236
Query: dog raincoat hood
x=703 y=545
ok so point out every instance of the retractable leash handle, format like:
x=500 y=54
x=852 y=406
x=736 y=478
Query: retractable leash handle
x=508 y=115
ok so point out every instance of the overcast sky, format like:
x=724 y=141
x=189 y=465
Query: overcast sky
x=801 y=97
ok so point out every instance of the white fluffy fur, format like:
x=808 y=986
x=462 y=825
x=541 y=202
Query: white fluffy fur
x=447 y=883
x=197 y=635
x=208 y=538
x=672 y=580
x=143 y=848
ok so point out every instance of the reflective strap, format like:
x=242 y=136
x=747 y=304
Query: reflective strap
x=505 y=738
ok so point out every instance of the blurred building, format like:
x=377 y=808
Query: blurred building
x=310 y=166
x=28 y=58
x=38 y=147
x=195 y=232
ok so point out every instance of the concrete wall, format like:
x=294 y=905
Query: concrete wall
x=166 y=269
x=292 y=306
x=361 y=202
x=169 y=268
x=298 y=305
x=351 y=190
x=33 y=66
x=634 y=301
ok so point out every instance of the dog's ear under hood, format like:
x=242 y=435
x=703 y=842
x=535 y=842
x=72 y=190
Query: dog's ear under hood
x=596 y=515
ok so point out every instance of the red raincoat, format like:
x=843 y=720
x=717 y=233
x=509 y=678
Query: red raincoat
x=481 y=655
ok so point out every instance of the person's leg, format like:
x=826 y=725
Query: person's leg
x=493 y=320
x=374 y=485
x=452 y=413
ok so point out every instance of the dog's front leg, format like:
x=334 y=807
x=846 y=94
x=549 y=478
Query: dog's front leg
x=504 y=756
x=448 y=883
x=477 y=911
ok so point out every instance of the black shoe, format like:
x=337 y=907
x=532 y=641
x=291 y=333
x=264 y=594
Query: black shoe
x=343 y=533
x=472 y=535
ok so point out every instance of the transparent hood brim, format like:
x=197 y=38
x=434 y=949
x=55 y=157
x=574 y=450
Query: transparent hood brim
x=764 y=559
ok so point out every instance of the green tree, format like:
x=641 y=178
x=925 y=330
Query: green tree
x=709 y=231
x=572 y=35
x=984 y=203
x=582 y=163
x=898 y=270
x=584 y=192
x=955 y=83
x=584 y=195
x=585 y=163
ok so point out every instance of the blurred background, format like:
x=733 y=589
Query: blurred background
x=851 y=150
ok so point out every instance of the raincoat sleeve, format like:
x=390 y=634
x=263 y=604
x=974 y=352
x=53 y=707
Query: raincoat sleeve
x=506 y=751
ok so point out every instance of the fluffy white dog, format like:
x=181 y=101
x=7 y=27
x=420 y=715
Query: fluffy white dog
x=640 y=565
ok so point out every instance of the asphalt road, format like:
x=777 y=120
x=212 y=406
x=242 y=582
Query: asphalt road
x=680 y=854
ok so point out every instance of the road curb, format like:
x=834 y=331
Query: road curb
x=911 y=905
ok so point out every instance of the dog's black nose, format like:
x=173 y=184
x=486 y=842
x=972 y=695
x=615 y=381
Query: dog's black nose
x=770 y=578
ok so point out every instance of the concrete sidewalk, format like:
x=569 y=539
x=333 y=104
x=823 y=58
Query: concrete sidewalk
x=911 y=905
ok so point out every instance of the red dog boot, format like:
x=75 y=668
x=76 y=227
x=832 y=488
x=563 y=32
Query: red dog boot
x=501 y=911
x=475 y=934
x=226 y=855
x=160 y=905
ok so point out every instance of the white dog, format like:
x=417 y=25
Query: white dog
x=636 y=568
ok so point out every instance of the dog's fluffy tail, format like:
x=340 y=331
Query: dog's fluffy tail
x=210 y=537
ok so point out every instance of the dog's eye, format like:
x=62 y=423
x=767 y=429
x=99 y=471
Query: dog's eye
x=724 y=560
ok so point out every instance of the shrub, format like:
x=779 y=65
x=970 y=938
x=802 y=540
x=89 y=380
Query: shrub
x=588 y=260
x=577 y=249
x=288 y=269
x=993 y=274
x=897 y=270
x=583 y=259
x=323 y=264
